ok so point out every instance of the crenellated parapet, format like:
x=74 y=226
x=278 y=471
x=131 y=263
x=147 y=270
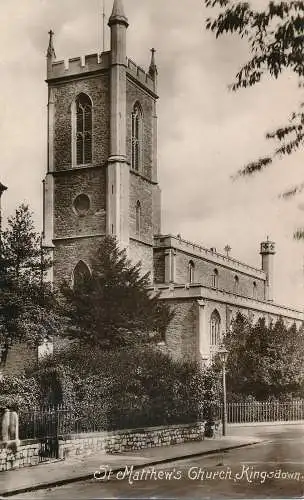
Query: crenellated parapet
x=139 y=74
x=95 y=62
x=79 y=65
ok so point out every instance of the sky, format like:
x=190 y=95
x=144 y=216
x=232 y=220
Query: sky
x=206 y=132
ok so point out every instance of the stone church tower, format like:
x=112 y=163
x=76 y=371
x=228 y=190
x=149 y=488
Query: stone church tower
x=102 y=155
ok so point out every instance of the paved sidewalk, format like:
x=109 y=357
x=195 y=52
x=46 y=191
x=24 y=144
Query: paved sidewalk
x=78 y=469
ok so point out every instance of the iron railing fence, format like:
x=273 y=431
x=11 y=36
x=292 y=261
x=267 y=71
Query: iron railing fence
x=61 y=420
x=265 y=411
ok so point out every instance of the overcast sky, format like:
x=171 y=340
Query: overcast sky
x=206 y=133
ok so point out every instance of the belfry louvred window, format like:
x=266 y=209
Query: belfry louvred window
x=136 y=145
x=83 y=129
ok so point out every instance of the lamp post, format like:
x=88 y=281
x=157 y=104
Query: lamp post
x=223 y=355
x=2 y=189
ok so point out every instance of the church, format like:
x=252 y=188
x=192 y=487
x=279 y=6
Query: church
x=102 y=179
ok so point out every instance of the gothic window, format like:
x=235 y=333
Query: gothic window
x=138 y=218
x=236 y=284
x=215 y=328
x=191 y=268
x=215 y=278
x=81 y=274
x=83 y=129
x=254 y=290
x=136 y=137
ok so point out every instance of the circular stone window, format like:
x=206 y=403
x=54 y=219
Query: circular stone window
x=82 y=204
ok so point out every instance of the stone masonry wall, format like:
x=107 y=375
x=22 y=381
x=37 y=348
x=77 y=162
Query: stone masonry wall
x=136 y=94
x=141 y=190
x=139 y=252
x=98 y=88
x=67 y=254
x=159 y=265
x=71 y=181
x=27 y=453
x=130 y=440
x=204 y=270
x=141 y=187
x=67 y=222
x=182 y=339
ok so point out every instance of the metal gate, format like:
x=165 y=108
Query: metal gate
x=49 y=449
x=43 y=425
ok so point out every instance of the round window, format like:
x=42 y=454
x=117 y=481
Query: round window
x=82 y=204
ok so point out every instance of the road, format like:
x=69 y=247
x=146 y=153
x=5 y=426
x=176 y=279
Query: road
x=271 y=469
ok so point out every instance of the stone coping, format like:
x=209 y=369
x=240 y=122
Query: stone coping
x=135 y=430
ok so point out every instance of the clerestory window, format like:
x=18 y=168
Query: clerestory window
x=215 y=276
x=191 y=269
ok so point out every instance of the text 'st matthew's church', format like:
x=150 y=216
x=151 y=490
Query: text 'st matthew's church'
x=102 y=180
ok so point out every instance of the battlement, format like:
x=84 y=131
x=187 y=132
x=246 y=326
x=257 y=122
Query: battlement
x=79 y=65
x=94 y=62
x=140 y=74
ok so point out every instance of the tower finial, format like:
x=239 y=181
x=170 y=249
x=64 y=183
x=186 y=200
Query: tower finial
x=118 y=15
x=153 y=67
x=51 y=51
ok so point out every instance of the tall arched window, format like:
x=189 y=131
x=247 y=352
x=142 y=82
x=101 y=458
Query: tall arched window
x=83 y=129
x=138 y=218
x=215 y=328
x=215 y=278
x=191 y=268
x=236 y=284
x=136 y=137
x=254 y=290
x=81 y=274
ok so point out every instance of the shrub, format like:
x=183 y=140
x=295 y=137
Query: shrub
x=129 y=388
x=19 y=392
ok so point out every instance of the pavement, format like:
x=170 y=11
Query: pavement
x=62 y=472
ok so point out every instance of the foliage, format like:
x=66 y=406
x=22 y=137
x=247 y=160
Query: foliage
x=114 y=306
x=21 y=248
x=28 y=307
x=130 y=387
x=19 y=392
x=264 y=361
x=276 y=42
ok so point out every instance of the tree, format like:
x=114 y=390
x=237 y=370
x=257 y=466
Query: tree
x=28 y=306
x=264 y=361
x=114 y=306
x=276 y=42
x=21 y=248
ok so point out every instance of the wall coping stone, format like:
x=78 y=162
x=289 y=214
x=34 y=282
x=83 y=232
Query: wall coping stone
x=136 y=430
